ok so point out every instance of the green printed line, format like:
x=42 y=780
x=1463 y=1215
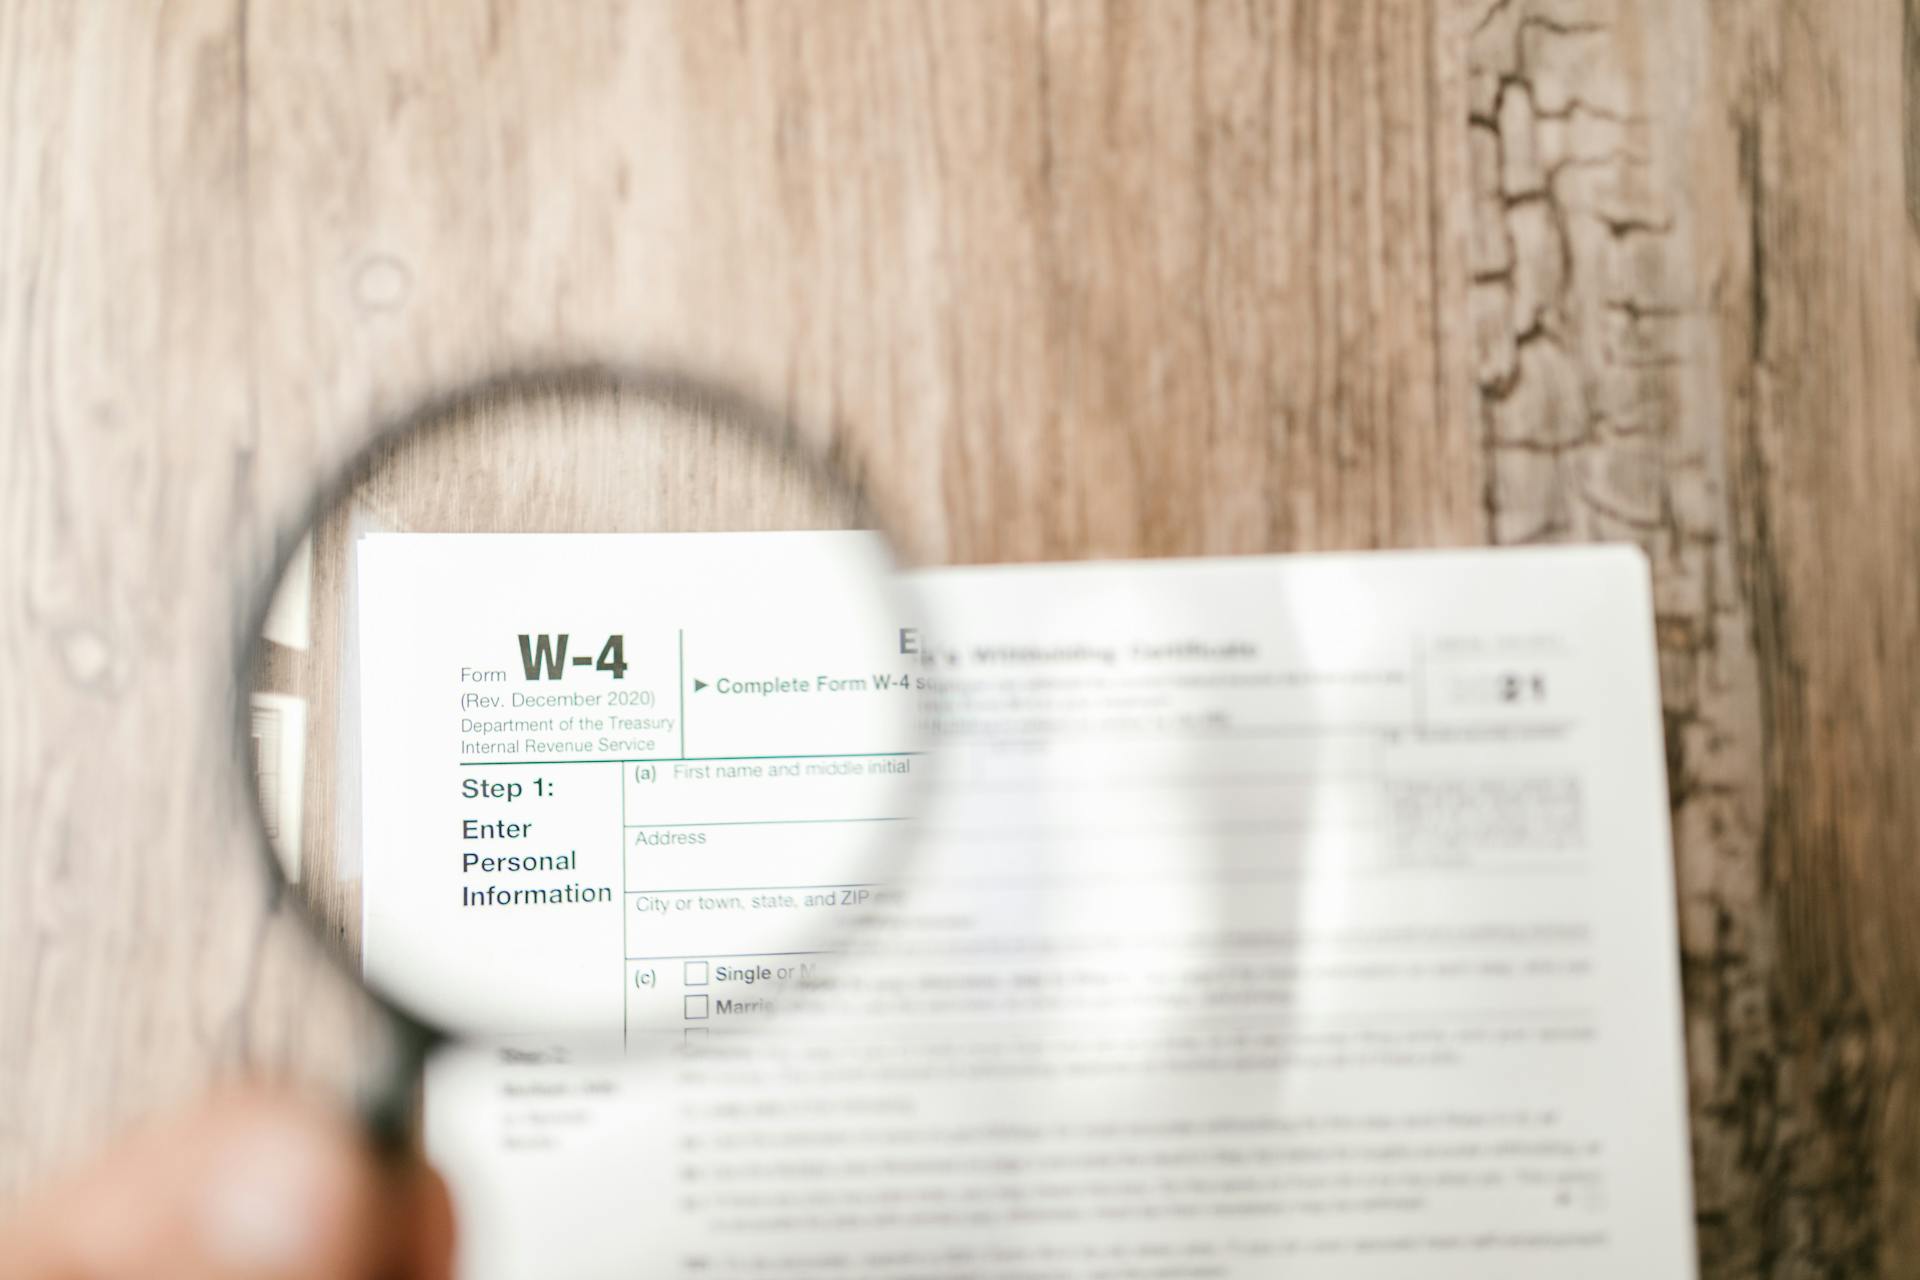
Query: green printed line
x=625 y=1010
x=817 y=755
x=749 y=822
x=730 y=955
x=753 y=888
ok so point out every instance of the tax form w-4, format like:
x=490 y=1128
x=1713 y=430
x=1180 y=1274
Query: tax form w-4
x=1273 y=916
x=649 y=750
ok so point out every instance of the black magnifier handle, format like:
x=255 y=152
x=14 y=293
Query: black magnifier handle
x=389 y=1099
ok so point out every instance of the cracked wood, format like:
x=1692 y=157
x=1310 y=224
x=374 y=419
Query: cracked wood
x=1626 y=180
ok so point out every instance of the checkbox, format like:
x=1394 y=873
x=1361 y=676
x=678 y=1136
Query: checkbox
x=696 y=1007
x=696 y=975
x=694 y=1037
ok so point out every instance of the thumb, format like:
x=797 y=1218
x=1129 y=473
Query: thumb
x=251 y=1185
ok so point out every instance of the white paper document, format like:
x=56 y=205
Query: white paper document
x=1265 y=916
x=590 y=758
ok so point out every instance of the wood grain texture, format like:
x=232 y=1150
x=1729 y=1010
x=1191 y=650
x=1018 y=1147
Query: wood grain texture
x=1057 y=279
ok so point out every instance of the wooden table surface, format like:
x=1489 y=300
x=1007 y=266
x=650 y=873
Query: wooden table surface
x=1062 y=280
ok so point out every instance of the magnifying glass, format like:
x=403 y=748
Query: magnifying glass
x=583 y=713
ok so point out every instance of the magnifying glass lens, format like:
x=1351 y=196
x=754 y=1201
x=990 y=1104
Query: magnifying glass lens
x=582 y=709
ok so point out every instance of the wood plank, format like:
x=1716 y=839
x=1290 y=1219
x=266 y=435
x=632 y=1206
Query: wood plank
x=132 y=928
x=1601 y=408
x=1825 y=446
x=1063 y=283
x=1691 y=298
